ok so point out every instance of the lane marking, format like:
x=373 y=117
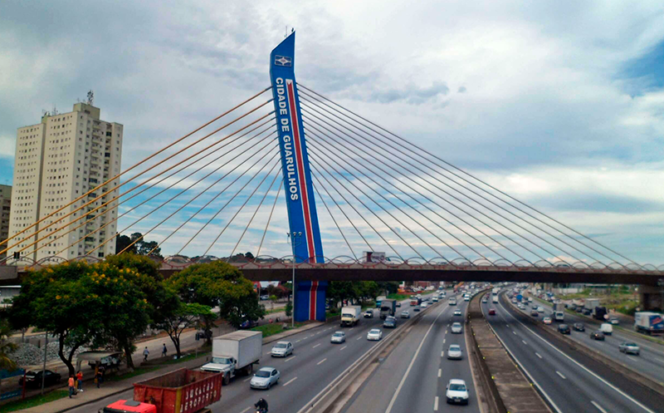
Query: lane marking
x=316 y=345
x=561 y=375
x=290 y=381
x=440 y=372
x=342 y=348
x=321 y=362
x=359 y=338
x=289 y=359
x=625 y=395
x=538 y=355
x=246 y=380
x=444 y=340
x=524 y=342
x=435 y=405
x=442 y=354
x=445 y=331
x=246 y=410
x=412 y=362
x=598 y=406
x=298 y=340
x=513 y=331
x=306 y=338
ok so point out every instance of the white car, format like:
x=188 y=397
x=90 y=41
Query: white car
x=454 y=352
x=547 y=320
x=457 y=392
x=265 y=378
x=457 y=328
x=466 y=298
x=374 y=335
x=282 y=349
x=435 y=299
x=424 y=304
x=338 y=337
x=457 y=312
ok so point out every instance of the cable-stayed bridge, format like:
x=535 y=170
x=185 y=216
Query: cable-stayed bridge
x=349 y=186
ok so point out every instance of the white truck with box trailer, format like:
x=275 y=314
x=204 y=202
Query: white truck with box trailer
x=648 y=322
x=234 y=353
x=350 y=315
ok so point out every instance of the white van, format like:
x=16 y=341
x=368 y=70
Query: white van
x=606 y=328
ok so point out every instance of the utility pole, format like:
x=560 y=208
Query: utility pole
x=294 y=238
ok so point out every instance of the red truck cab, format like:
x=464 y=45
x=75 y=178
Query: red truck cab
x=129 y=406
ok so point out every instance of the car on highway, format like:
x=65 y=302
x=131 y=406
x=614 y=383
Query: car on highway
x=282 y=349
x=457 y=392
x=587 y=311
x=597 y=335
x=374 y=334
x=614 y=321
x=606 y=328
x=579 y=327
x=521 y=306
x=417 y=308
x=390 y=322
x=338 y=337
x=424 y=304
x=492 y=311
x=398 y=304
x=629 y=348
x=466 y=298
x=540 y=309
x=452 y=301
x=435 y=299
x=485 y=300
x=564 y=329
x=457 y=312
x=33 y=379
x=534 y=313
x=547 y=320
x=457 y=328
x=265 y=378
x=454 y=352
x=368 y=314
x=405 y=314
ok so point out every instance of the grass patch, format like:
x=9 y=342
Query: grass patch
x=34 y=401
x=398 y=297
x=276 y=310
x=272 y=329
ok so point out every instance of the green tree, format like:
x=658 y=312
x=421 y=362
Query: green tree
x=185 y=315
x=339 y=291
x=273 y=298
x=6 y=346
x=219 y=284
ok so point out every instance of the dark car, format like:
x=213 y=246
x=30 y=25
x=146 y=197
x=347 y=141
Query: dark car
x=579 y=327
x=34 y=378
x=534 y=313
x=587 y=311
x=248 y=324
x=492 y=312
x=597 y=335
x=398 y=304
x=417 y=308
x=564 y=329
x=390 y=322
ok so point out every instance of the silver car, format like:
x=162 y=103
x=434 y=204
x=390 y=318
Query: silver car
x=282 y=349
x=629 y=348
x=374 y=335
x=454 y=352
x=265 y=378
x=457 y=328
x=338 y=337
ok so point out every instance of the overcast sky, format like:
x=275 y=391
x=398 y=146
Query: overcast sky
x=559 y=103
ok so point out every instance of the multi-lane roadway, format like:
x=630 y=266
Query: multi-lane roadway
x=414 y=376
x=568 y=380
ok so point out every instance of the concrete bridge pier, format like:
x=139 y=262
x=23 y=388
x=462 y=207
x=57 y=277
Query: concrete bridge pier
x=651 y=298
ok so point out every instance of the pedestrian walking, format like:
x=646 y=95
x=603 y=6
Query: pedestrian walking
x=99 y=376
x=146 y=353
x=79 y=379
x=71 y=385
x=164 y=351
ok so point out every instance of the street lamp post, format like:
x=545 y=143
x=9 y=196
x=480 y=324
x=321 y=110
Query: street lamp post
x=294 y=238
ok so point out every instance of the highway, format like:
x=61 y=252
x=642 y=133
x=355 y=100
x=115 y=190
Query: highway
x=569 y=381
x=413 y=377
x=650 y=362
x=314 y=364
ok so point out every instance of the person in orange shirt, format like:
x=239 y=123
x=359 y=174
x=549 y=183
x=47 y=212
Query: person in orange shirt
x=79 y=379
x=71 y=386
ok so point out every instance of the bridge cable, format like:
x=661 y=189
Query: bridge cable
x=399 y=221
x=187 y=203
x=269 y=219
x=320 y=196
x=366 y=159
x=146 y=188
x=480 y=188
x=141 y=173
x=456 y=190
x=130 y=168
x=256 y=211
x=246 y=201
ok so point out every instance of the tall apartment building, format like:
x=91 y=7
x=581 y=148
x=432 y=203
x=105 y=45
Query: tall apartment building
x=58 y=160
x=5 y=208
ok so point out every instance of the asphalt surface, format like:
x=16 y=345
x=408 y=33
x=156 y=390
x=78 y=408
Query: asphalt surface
x=650 y=362
x=414 y=376
x=570 y=381
x=313 y=365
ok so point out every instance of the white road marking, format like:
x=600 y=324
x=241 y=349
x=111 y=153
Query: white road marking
x=524 y=342
x=442 y=353
x=316 y=345
x=298 y=340
x=321 y=362
x=514 y=332
x=445 y=331
x=538 y=355
x=246 y=410
x=410 y=366
x=561 y=375
x=341 y=349
x=359 y=338
x=305 y=338
x=246 y=380
x=444 y=340
x=435 y=405
x=440 y=372
x=289 y=359
x=290 y=381
x=598 y=406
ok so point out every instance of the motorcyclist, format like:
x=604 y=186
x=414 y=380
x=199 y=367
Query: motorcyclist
x=261 y=405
